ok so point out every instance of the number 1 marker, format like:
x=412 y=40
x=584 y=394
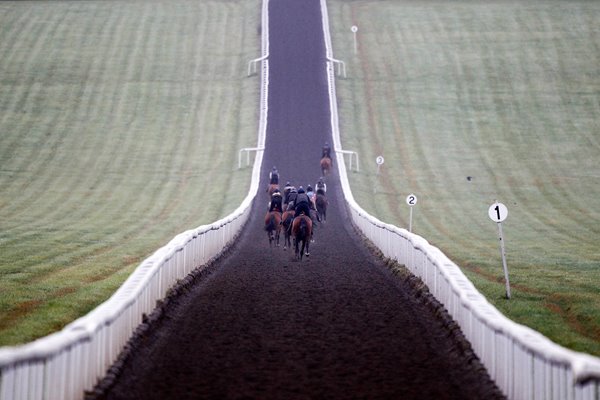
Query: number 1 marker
x=498 y=213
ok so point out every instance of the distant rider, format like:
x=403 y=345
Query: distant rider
x=286 y=192
x=302 y=203
x=311 y=196
x=291 y=200
x=274 y=176
x=321 y=186
x=326 y=150
x=276 y=202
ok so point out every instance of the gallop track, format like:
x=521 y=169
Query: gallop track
x=257 y=324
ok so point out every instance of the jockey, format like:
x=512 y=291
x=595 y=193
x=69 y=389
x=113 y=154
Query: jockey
x=286 y=192
x=326 y=150
x=321 y=186
x=302 y=204
x=275 y=203
x=274 y=176
x=291 y=198
x=311 y=196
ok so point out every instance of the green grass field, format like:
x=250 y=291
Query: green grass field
x=507 y=93
x=120 y=123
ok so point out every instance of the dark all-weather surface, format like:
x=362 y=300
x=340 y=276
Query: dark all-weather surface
x=336 y=325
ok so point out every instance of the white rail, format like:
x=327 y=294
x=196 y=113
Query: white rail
x=341 y=66
x=247 y=150
x=252 y=64
x=523 y=363
x=67 y=363
x=352 y=153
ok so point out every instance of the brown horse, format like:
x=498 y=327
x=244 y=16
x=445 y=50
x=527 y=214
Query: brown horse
x=302 y=232
x=322 y=203
x=272 y=188
x=326 y=165
x=286 y=222
x=273 y=226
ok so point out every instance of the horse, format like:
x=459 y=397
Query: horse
x=325 y=165
x=321 y=203
x=273 y=226
x=286 y=222
x=272 y=188
x=302 y=231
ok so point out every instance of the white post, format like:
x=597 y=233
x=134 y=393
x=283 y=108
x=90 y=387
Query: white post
x=252 y=63
x=411 y=200
x=354 y=29
x=340 y=64
x=247 y=150
x=498 y=213
x=351 y=153
x=379 y=160
x=503 y=253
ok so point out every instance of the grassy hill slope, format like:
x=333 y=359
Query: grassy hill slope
x=120 y=124
x=473 y=102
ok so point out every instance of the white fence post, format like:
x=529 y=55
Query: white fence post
x=247 y=150
x=351 y=153
x=252 y=64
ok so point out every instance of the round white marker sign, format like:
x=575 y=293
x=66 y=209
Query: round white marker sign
x=379 y=160
x=354 y=28
x=498 y=212
x=411 y=200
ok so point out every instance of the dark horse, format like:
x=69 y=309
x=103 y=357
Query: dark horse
x=286 y=222
x=321 y=203
x=325 y=165
x=302 y=232
x=273 y=226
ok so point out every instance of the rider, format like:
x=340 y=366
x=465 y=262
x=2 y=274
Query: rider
x=326 y=150
x=274 y=176
x=291 y=198
x=276 y=200
x=314 y=216
x=311 y=196
x=286 y=191
x=302 y=204
x=321 y=186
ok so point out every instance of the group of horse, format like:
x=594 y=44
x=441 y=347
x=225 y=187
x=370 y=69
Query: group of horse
x=299 y=228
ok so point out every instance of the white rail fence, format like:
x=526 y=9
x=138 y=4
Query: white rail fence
x=67 y=363
x=523 y=363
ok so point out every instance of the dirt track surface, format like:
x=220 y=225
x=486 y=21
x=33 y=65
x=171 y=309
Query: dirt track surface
x=257 y=324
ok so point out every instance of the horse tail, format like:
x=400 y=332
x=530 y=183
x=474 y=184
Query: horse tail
x=302 y=228
x=270 y=223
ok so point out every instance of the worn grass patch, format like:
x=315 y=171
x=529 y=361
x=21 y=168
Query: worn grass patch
x=475 y=102
x=120 y=124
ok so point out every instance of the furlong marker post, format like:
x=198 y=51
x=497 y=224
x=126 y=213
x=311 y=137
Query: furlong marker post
x=411 y=200
x=498 y=213
x=354 y=29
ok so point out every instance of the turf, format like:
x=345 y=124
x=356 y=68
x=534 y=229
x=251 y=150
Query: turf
x=120 y=123
x=474 y=102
